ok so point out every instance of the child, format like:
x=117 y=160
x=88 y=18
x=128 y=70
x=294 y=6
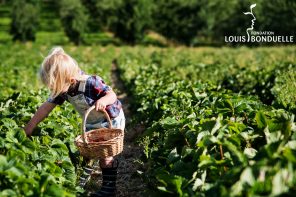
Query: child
x=61 y=74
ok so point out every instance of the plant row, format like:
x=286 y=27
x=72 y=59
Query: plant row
x=48 y=163
x=267 y=73
x=43 y=165
x=204 y=140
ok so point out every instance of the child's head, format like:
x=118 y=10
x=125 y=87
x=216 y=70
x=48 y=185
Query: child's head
x=59 y=71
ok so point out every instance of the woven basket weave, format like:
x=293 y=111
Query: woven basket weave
x=99 y=143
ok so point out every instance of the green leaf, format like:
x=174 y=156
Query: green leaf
x=184 y=169
x=161 y=188
x=44 y=179
x=273 y=136
x=172 y=183
x=173 y=156
x=261 y=119
x=169 y=122
x=7 y=193
x=290 y=154
x=3 y=163
x=14 y=173
x=28 y=146
x=20 y=135
x=69 y=172
x=240 y=157
x=207 y=141
x=201 y=135
x=247 y=176
x=60 y=147
x=236 y=189
x=197 y=183
x=250 y=152
x=279 y=182
x=56 y=191
x=186 y=151
x=17 y=155
x=10 y=136
x=9 y=123
x=207 y=124
x=205 y=161
x=291 y=144
x=217 y=124
x=198 y=95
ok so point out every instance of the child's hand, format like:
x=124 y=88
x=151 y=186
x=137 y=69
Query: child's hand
x=28 y=131
x=100 y=105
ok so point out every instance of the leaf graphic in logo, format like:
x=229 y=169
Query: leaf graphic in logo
x=253 y=20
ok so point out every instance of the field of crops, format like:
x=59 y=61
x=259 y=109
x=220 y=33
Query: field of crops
x=219 y=121
x=47 y=164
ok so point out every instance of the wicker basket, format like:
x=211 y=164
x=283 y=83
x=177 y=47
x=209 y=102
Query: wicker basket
x=99 y=143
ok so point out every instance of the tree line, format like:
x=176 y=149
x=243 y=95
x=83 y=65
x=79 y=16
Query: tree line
x=189 y=22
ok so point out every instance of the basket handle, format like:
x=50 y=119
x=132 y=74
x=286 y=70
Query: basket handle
x=85 y=118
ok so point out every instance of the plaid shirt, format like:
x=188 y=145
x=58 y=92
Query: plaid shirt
x=95 y=88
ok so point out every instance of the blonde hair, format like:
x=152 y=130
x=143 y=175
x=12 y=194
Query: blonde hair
x=57 y=70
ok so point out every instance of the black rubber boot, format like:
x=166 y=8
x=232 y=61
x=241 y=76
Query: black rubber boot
x=108 y=188
x=86 y=175
x=88 y=169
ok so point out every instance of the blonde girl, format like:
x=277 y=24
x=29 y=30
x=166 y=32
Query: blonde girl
x=62 y=75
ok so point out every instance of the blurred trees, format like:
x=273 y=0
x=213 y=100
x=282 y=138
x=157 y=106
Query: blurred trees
x=74 y=19
x=24 y=23
x=96 y=18
x=187 y=22
x=127 y=19
x=224 y=19
x=278 y=16
x=178 y=20
x=133 y=17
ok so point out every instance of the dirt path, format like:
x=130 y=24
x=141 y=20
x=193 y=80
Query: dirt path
x=129 y=184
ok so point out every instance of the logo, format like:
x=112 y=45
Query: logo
x=253 y=20
x=258 y=36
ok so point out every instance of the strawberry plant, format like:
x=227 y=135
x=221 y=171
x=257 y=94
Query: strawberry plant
x=204 y=140
x=48 y=163
x=219 y=122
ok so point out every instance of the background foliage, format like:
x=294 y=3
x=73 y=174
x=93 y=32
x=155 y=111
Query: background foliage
x=184 y=22
x=74 y=19
x=25 y=18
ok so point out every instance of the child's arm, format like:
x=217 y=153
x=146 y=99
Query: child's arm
x=40 y=115
x=108 y=99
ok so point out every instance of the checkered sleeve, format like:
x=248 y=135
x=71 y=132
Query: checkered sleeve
x=100 y=89
x=99 y=86
x=59 y=100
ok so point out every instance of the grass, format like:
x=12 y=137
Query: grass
x=59 y=38
x=102 y=38
x=5 y=38
x=54 y=38
x=5 y=21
